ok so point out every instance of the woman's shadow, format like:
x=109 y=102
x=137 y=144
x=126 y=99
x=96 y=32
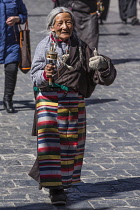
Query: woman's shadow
x=22 y=105
x=83 y=192
x=98 y=101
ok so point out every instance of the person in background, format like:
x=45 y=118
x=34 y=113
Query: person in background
x=12 y=13
x=128 y=9
x=86 y=19
x=64 y=72
x=104 y=13
x=56 y=3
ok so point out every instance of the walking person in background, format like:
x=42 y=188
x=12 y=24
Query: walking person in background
x=11 y=14
x=128 y=9
x=86 y=19
x=104 y=13
x=56 y=3
x=64 y=72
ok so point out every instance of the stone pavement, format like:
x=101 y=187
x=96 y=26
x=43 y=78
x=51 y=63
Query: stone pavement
x=111 y=170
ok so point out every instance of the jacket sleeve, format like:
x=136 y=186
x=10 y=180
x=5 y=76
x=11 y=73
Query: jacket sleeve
x=38 y=65
x=22 y=11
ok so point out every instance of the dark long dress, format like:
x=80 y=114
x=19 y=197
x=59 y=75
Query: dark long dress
x=127 y=9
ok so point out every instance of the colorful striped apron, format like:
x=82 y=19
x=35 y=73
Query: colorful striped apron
x=61 y=137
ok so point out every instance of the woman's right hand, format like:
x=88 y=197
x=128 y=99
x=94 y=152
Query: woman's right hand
x=12 y=20
x=49 y=70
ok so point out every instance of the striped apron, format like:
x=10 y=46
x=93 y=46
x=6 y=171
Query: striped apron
x=61 y=137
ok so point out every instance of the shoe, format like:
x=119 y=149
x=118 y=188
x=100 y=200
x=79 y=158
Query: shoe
x=134 y=21
x=8 y=106
x=124 y=21
x=58 y=196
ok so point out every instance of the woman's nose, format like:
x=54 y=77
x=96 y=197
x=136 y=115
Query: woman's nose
x=64 y=25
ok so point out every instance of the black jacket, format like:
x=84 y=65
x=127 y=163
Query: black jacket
x=87 y=6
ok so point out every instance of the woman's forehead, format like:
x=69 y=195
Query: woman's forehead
x=64 y=15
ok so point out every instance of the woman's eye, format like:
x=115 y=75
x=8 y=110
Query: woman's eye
x=59 y=24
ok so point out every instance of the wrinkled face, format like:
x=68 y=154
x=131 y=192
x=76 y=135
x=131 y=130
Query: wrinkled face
x=63 y=26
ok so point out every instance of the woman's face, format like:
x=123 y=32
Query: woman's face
x=63 y=26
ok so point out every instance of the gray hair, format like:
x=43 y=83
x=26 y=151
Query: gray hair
x=51 y=16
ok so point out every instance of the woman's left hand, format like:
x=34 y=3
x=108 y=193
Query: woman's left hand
x=12 y=20
x=98 y=63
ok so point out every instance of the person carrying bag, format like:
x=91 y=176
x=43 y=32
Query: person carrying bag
x=12 y=13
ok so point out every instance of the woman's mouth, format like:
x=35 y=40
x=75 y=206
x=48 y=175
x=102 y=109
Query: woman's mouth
x=65 y=32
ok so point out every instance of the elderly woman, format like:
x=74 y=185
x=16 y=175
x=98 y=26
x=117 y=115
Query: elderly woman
x=60 y=106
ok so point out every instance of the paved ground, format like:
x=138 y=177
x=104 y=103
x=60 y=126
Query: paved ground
x=110 y=175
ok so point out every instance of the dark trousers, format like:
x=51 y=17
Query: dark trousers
x=87 y=28
x=104 y=14
x=11 y=70
x=127 y=8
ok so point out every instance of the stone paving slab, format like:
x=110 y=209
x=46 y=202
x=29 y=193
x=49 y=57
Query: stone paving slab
x=111 y=170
